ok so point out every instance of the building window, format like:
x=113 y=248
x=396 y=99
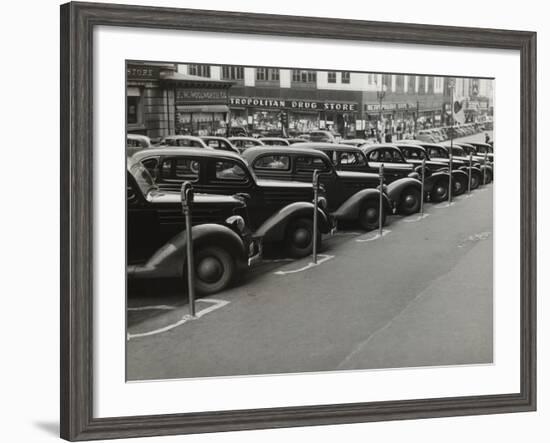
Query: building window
x=430 y=85
x=399 y=83
x=134 y=106
x=421 y=84
x=346 y=77
x=200 y=70
x=438 y=83
x=332 y=77
x=232 y=72
x=371 y=79
x=386 y=81
x=267 y=74
x=304 y=76
x=411 y=84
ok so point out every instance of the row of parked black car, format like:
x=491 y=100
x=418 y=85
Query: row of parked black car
x=260 y=200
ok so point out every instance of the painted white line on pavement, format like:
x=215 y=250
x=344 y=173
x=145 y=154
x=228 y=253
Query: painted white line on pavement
x=277 y=260
x=474 y=238
x=146 y=308
x=308 y=266
x=216 y=304
x=374 y=237
x=443 y=205
x=417 y=218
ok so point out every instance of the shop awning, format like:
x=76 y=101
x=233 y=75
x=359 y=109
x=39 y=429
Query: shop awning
x=202 y=108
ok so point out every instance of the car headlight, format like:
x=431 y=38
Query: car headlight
x=236 y=222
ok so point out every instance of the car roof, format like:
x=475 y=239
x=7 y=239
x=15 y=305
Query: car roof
x=138 y=137
x=237 y=137
x=189 y=152
x=212 y=137
x=324 y=146
x=369 y=148
x=409 y=145
x=252 y=153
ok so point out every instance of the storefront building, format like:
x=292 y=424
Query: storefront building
x=161 y=101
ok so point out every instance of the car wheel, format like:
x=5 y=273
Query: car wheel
x=214 y=269
x=475 y=180
x=488 y=177
x=299 y=238
x=369 y=215
x=440 y=191
x=460 y=185
x=409 y=202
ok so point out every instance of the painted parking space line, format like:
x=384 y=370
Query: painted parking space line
x=323 y=258
x=415 y=219
x=444 y=205
x=216 y=304
x=147 y=308
x=474 y=238
x=372 y=237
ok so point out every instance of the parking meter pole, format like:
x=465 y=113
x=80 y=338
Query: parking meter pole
x=186 y=201
x=422 y=187
x=381 y=206
x=485 y=168
x=450 y=175
x=470 y=175
x=315 y=206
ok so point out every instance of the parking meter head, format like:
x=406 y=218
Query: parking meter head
x=186 y=193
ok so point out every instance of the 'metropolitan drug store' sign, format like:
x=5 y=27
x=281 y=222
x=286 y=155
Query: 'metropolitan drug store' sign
x=257 y=102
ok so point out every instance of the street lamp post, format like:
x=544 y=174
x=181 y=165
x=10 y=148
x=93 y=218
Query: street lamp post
x=380 y=95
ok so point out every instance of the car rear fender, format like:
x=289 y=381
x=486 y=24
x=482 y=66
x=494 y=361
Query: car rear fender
x=274 y=228
x=169 y=261
x=466 y=169
x=349 y=210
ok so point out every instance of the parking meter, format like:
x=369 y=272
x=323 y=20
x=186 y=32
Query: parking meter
x=186 y=204
x=381 y=206
x=422 y=186
x=451 y=173
x=470 y=174
x=316 y=174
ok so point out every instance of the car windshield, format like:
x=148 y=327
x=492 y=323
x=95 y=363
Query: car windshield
x=143 y=179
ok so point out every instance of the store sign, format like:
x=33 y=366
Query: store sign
x=142 y=72
x=387 y=106
x=186 y=96
x=293 y=104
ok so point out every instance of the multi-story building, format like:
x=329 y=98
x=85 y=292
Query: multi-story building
x=214 y=99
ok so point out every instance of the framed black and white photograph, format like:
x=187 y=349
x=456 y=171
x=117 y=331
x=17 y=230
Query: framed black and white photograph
x=273 y=221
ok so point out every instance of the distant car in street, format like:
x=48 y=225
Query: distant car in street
x=243 y=143
x=220 y=143
x=187 y=141
x=156 y=238
x=324 y=136
x=274 y=141
x=280 y=212
x=136 y=142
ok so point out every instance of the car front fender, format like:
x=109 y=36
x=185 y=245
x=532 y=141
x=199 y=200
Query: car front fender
x=169 y=261
x=434 y=178
x=274 y=228
x=349 y=210
x=396 y=187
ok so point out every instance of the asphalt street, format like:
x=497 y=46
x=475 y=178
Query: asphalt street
x=420 y=295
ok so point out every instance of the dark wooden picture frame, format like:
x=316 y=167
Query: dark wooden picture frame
x=77 y=24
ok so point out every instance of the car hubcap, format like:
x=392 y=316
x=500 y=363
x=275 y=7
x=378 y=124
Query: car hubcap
x=302 y=237
x=410 y=200
x=371 y=214
x=209 y=269
x=440 y=190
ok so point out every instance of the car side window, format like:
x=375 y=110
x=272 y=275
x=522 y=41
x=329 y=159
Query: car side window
x=374 y=156
x=309 y=164
x=278 y=162
x=231 y=171
x=179 y=168
x=151 y=164
x=350 y=159
x=396 y=156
